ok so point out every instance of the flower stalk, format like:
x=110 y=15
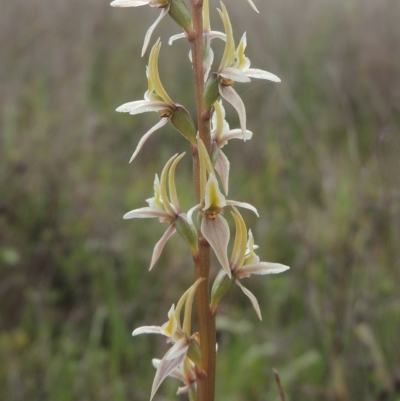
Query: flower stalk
x=192 y=355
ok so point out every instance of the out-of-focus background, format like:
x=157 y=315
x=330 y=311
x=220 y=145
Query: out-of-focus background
x=323 y=170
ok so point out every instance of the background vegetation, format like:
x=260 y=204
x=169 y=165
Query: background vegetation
x=323 y=171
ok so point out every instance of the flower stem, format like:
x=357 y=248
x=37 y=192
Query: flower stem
x=205 y=387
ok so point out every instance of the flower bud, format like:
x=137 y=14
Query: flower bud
x=187 y=231
x=180 y=14
x=211 y=91
x=183 y=122
x=220 y=287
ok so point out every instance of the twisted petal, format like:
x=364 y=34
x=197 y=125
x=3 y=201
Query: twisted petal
x=171 y=183
x=230 y=95
x=229 y=53
x=252 y=298
x=187 y=320
x=147 y=135
x=160 y=245
x=150 y=31
x=243 y=205
x=153 y=75
x=239 y=247
x=216 y=232
x=165 y=368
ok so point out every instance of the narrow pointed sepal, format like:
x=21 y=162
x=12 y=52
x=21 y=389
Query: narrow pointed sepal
x=164 y=369
x=252 y=298
x=160 y=245
x=216 y=232
x=183 y=122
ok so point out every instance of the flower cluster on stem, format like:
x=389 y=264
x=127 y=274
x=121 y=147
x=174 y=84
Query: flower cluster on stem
x=204 y=227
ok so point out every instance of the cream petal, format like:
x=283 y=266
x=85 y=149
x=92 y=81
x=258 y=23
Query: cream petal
x=230 y=95
x=151 y=106
x=252 y=298
x=261 y=74
x=147 y=212
x=129 y=3
x=142 y=106
x=244 y=205
x=146 y=136
x=150 y=31
x=260 y=268
x=216 y=232
x=147 y=330
x=160 y=245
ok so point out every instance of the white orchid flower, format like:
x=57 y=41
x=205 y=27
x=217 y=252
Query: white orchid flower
x=156 y=99
x=243 y=263
x=235 y=66
x=177 y=333
x=214 y=227
x=167 y=209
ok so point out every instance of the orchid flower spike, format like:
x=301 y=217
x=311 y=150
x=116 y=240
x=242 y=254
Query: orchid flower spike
x=176 y=9
x=235 y=66
x=214 y=227
x=167 y=209
x=178 y=333
x=220 y=135
x=243 y=263
x=156 y=99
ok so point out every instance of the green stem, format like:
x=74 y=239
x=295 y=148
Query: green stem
x=205 y=387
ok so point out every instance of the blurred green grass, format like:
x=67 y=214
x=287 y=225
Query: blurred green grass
x=323 y=171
